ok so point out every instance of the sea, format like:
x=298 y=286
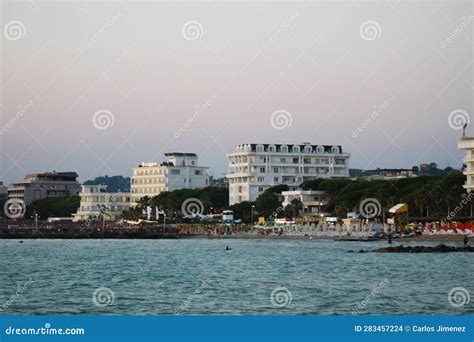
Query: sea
x=229 y=277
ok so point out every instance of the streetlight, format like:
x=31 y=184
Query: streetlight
x=35 y=216
x=253 y=207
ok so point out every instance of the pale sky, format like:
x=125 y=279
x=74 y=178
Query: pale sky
x=205 y=76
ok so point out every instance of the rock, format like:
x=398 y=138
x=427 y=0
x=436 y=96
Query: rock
x=424 y=249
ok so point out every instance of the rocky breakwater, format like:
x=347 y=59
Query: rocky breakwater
x=425 y=249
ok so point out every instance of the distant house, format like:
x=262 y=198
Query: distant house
x=386 y=174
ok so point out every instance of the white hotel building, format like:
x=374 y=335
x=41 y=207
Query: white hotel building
x=180 y=171
x=96 y=202
x=467 y=144
x=253 y=168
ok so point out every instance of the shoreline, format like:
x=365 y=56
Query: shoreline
x=178 y=236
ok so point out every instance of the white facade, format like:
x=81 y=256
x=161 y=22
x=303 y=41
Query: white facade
x=313 y=201
x=180 y=171
x=467 y=144
x=96 y=201
x=254 y=168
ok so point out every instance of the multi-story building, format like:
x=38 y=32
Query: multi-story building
x=180 y=171
x=253 y=168
x=97 y=202
x=3 y=191
x=313 y=201
x=44 y=185
x=467 y=144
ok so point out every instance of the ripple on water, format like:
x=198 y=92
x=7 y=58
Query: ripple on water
x=151 y=277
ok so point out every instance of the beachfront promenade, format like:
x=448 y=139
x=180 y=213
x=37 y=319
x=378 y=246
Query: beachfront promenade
x=179 y=231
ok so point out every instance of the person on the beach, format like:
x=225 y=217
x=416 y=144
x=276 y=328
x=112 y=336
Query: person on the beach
x=465 y=240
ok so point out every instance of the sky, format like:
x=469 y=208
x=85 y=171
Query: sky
x=99 y=87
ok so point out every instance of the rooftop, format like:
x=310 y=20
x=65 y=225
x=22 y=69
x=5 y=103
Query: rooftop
x=180 y=154
x=278 y=147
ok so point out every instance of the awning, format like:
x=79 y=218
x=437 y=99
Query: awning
x=399 y=208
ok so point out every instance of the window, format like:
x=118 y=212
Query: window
x=335 y=149
x=296 y=160
x=283 y=160
x=296 y=149
x=275 y=170
x=175 y=172
x=284 y=149
x=260 y=189
x=193 y=162
x=307 y=160
x=259 y=148
x=262 y=170
x=198 y=172
x=320 y=149
x=275 y=179
x=261 y=179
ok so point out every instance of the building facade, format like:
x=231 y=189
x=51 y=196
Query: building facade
x=314 y=202
x=387 y=174
x=253 y=168
x=44 y=185
x=97 y=203
x=180 y=171
x=3 y=191
x=467 y=144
